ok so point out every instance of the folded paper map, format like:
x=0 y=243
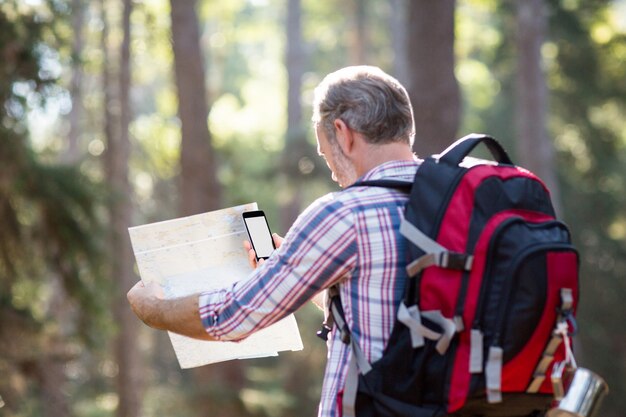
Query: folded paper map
x=199 y=253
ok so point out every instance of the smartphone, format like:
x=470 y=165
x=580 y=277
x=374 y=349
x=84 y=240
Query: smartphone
x=259 y=233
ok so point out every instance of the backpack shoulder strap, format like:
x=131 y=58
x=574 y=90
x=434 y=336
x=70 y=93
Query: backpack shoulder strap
x=357 y=364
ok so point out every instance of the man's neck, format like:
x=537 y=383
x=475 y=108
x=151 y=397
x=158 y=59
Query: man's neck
x=375 y=155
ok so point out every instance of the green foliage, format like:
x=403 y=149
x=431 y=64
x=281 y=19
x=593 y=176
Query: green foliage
x=49 y=249
x=50 y=211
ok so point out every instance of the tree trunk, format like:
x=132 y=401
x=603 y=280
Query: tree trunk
x=73 y=152
x=129 y=383
x=398 y=26
x=433 y=87
x=217 y=386
x=358 y=34
x=534 y=147
x=295 y=146
x=50 y=367
x=51 y=379
x=200 y=190
x=108 y=116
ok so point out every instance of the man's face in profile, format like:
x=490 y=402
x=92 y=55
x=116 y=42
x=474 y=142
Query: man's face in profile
x=342 y=170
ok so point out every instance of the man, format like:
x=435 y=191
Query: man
x=363 y=122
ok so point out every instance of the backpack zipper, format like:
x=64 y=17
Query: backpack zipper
x=486 y=283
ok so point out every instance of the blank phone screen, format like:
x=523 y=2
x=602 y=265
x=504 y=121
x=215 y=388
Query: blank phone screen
x=260 y=235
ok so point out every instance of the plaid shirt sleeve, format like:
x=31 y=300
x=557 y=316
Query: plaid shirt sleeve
x=318 y=251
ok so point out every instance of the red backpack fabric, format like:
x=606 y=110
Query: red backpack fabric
x=492 y=273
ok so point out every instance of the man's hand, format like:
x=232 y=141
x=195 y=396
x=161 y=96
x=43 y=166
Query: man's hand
x=178 y=315
x=252 y=254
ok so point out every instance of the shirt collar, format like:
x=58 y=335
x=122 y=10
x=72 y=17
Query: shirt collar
x=402 y=170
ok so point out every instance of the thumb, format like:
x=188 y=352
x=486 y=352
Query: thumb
x=278 y=240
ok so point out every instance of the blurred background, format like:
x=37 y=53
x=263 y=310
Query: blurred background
x=118 y=113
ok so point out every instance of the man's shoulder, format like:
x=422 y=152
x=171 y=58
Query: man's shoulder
x=321 y=218
x=344 y=203
x=331 y=203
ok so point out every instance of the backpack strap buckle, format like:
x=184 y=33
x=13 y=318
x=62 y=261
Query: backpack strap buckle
x=444 y=259
x=323 y=332
x=456 y=260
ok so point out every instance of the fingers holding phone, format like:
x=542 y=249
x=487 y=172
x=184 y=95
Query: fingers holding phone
x=252 y=258
x=278 y=240
x=262 y=242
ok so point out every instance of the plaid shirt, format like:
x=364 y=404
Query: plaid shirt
x=348 y=238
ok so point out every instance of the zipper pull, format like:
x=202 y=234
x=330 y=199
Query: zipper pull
x=493 y=373
x=458 y=322
x=476 y=351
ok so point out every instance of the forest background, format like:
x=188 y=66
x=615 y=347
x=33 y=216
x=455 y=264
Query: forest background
x=119 y=113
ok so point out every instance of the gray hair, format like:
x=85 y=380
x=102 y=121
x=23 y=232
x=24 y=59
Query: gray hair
x=369 y=101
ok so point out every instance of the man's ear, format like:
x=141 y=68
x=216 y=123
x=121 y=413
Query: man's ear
x=344 y=135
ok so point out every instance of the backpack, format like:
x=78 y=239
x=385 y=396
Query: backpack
x=489 y=303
